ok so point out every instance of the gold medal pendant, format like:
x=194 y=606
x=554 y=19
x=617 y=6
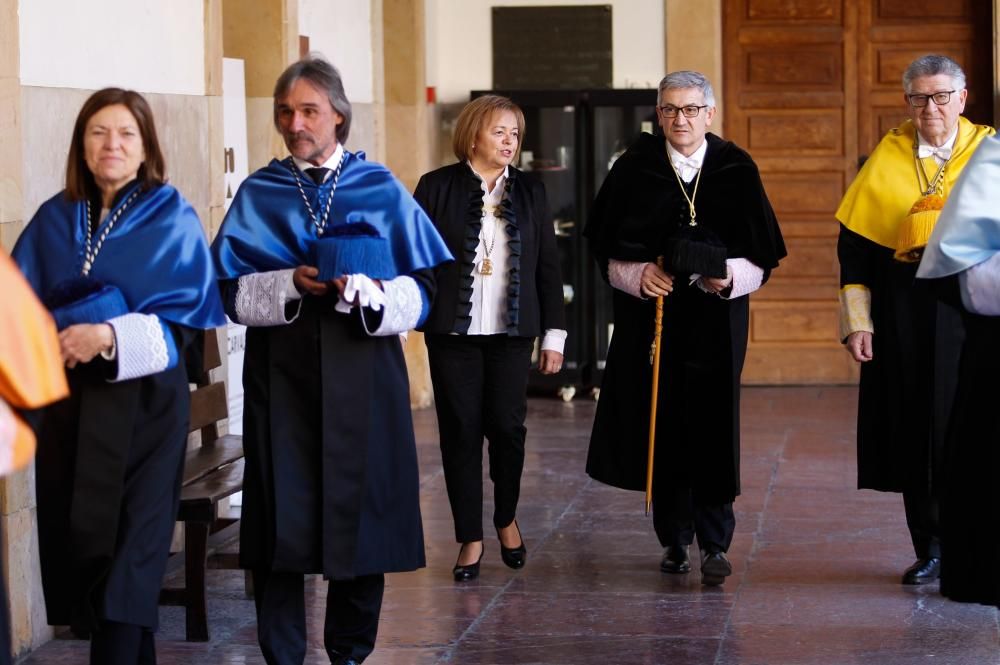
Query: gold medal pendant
x=486 y=267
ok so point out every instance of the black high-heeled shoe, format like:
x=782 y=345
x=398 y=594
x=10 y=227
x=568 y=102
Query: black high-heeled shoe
x=514 y=557
x=470 y=571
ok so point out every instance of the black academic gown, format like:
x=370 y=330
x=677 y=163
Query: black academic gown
x=331 y=483
x=907 y=389
x=110 y=457
x=970 y=542
x=108 y=475
x=704 y=337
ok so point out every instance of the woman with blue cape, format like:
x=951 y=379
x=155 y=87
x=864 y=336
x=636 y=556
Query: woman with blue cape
x=120 y=259
x=963 y=257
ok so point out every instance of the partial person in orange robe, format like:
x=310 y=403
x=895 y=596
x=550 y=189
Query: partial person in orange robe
x=31 y=376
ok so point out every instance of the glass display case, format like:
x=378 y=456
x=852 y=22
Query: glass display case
x=571 y=139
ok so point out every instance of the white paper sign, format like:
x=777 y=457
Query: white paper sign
x=234 y=133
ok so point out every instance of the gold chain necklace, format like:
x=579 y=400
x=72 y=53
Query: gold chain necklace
x=694 y=194
x=486 y=266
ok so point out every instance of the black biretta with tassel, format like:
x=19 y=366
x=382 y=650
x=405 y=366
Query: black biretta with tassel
x=693 y=249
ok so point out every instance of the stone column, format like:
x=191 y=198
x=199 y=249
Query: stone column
x=407 y=141
x=19 y=545
x=11 y=172
x=693 y=38
x=213 y=91
x=264 y=33
x=407 y=136
x=378 y=81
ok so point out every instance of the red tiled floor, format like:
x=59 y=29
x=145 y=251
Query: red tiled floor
x=816 y=568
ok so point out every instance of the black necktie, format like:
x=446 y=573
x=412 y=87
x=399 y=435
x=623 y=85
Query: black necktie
x=318 y=174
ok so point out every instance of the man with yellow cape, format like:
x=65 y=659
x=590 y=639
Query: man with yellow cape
x=908 y=342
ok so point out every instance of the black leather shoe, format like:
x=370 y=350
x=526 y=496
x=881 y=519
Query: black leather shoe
x=675 y=560
x=514 y=557
x=715 y=568
x=923 y=571
x=469 y=571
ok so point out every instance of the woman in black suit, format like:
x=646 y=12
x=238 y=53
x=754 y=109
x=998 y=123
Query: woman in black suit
x=503 y=290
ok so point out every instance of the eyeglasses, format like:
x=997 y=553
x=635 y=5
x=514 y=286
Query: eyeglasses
x=691 y=111
x=940 y=98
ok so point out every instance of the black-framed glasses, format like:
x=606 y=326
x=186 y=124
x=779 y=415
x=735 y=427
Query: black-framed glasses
x=940 y=98
x=689 y=111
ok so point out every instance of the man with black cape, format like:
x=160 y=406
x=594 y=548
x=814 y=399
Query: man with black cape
x=326 y=258
x=696 y=201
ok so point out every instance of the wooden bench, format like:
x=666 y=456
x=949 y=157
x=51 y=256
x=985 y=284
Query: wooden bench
x=212 y=472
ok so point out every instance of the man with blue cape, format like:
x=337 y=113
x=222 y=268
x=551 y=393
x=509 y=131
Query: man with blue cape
x=963 y=259
x=326 y=258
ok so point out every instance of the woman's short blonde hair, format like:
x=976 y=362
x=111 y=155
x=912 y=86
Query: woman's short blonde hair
x=474 y=117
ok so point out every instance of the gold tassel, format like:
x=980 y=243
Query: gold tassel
x=916 y=228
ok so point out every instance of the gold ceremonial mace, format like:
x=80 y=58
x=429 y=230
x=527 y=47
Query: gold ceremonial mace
x=655 y=359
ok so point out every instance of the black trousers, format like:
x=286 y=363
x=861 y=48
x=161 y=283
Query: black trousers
x=117 y=643
x=480 y=389
x=923 y=518
x=349 y=629
x=677 y=518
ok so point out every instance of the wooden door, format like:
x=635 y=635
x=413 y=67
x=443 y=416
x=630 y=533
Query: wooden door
x=810 y=86
x=897 y=32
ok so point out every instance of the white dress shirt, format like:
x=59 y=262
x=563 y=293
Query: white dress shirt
x=687 y=166
x=330 y=163
x=489 y=292
x=941 y=153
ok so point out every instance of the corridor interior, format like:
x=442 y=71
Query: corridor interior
x=816 y=580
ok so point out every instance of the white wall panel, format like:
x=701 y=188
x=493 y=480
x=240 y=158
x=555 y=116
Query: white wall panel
x=147 y=45
x=341 y=30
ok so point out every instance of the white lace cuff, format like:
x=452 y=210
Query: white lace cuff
x=626 y=276
x=404 y=304
x=145 y=346
x=980 y=287
x=554 y=340
x=747 y=277
x=261 y=298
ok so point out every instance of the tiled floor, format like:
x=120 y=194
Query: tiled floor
x=817 y=565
